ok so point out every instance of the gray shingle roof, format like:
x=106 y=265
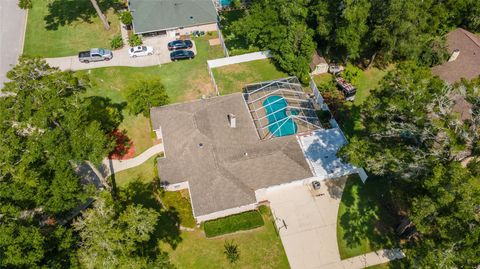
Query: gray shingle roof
x=156 y=15
x=220 y=175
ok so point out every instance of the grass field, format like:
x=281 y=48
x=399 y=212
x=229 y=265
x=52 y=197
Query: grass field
x=57 y=28
x=180 y=200
x=367 y=80
x=146 y=173
x=363 y=224
x=233 y=78
x=259 y=248
x=184 y=81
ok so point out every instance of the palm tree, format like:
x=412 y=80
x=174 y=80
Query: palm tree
x=100 y=14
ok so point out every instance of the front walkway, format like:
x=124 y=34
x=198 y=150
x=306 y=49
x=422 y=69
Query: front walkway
x=308 y=227
x=115 y=166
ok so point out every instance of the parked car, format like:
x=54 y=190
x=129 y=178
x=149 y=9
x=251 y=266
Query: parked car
x=181 y=54
x=140 y=51
x=95 y=55
x=180 y=45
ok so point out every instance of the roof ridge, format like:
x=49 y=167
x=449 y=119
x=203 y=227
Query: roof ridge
x=471 y=36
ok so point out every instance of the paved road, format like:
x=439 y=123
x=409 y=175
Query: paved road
x=12 y=25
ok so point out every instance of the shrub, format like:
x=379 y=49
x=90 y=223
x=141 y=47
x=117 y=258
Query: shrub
x=351 y=73
x=239 y=222
x=116 y=42
x=126 y=17
x=236 y=4
x=231 y=251
x=134 y=40
x=25 y=4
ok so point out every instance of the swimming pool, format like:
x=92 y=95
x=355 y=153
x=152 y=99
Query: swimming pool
x=224 y=3
x=280 y=124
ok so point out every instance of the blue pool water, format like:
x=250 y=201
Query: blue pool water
x=224 y=3
x=281 y=124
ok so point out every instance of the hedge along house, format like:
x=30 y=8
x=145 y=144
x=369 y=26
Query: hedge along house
x=216 y=149
x=172 y=17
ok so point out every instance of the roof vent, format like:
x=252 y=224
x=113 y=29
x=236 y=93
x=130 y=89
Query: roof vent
x=232 y=121
x=454 y=55
x=200 y=145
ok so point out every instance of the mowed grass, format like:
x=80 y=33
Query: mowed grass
x=364 y=224
x=139 y=131
x=232 y=78
x=183 y=81
x=145 y=173
x=66 y=28
x=180 y=201
x=234 y=223
x=259 y=248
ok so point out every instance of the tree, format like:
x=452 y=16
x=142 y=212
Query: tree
x=145 y=95
x=114 y=235
x=102 y=17
x=414 y=136
x=281 y=27
x=45 y=126
x=25 y=4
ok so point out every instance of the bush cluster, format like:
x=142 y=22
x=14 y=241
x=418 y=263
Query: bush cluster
x=239 y=222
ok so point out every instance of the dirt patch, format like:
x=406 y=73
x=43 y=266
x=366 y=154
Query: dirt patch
x=200 y=86
x=214 y=42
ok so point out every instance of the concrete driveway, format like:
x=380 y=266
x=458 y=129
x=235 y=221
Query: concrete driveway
x=121 y=57
x=310 y=235
x=307 y=224
x=12 y=26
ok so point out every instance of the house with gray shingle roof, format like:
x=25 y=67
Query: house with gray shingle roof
x=172 y=17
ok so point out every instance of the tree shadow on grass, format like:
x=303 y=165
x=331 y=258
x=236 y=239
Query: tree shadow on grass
x=363 y=218
x=147 y=194
x=65 y=12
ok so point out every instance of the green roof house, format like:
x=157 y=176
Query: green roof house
x=173 y=17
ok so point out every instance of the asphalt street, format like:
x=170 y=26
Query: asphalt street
x=12 y=26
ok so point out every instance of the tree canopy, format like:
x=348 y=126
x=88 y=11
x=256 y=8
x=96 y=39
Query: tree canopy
x=146 y=94
x=415 y=133
x=46 y=127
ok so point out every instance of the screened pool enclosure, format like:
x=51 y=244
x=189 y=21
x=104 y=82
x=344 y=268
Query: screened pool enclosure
x=280 y=108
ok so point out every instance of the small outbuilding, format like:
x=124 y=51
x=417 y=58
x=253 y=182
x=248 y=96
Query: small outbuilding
x=318 y=65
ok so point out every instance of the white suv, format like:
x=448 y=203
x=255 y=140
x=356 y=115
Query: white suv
x=140 y=51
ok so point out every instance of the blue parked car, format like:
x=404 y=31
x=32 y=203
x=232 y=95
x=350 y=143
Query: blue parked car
x=181 y=55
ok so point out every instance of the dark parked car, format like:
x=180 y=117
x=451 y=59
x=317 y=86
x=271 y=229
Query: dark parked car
x=180 y=45
x=181 y=54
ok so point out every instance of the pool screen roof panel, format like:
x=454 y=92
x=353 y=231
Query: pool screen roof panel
x=272 y=118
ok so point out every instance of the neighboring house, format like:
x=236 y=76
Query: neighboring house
x=318 y=65
x=464 y=61
x=229 y=150
x=172 y=17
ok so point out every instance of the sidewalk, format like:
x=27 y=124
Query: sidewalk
x=373 y=258
x=114 y=166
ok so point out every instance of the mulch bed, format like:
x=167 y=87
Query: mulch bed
x=125 y=149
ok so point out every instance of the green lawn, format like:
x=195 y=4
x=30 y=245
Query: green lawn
x=146 y=173
x=180 y=201
x=183 y=80
x=259 y=248
x=232 y=78
x=364 y=224
x=349 y=118
x=57 y=28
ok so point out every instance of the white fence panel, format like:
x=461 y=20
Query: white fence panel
x=239 y=59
